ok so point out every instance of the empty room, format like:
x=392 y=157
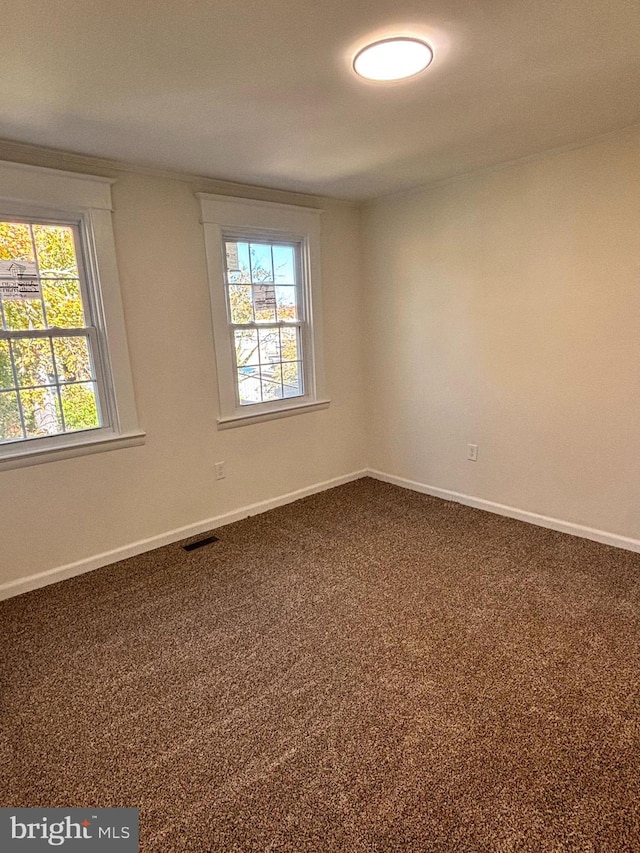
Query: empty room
x=319 y=410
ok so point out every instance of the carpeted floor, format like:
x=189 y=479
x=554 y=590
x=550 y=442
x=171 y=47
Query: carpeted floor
x=367 y=669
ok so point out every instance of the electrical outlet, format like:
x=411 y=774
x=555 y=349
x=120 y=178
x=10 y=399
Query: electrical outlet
x=220 y=472
x=472 y=452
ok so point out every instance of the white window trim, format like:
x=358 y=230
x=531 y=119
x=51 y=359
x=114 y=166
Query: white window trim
x=221 y=214
x=32 y=191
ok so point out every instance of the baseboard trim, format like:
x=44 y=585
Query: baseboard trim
x=606 y=538
x=89 y=564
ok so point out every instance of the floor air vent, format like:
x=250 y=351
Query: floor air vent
x=200 y=543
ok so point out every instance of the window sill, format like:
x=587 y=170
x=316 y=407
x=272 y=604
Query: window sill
x=24 y=457
x=259 y=417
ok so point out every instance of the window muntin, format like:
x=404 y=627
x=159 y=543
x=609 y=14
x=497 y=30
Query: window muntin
x=265 y=308
x=50 y=377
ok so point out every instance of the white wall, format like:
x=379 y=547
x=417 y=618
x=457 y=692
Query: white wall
x=504 y=310
x=501 y=309
x=65 y=511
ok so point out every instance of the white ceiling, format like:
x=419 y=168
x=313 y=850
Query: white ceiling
x=263 y=93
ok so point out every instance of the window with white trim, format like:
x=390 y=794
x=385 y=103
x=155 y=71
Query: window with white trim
x=61 y=391
x=265 y=294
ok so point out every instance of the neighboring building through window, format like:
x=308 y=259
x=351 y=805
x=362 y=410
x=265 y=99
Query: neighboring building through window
x=65 y=384
x=265 y=295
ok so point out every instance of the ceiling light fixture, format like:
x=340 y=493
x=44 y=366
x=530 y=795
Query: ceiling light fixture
x=393 y=58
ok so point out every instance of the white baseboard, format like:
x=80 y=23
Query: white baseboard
x=20 y=585
x=513 y=512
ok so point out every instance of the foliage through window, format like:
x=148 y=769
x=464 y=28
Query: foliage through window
x=49 y=385
x=265 y=312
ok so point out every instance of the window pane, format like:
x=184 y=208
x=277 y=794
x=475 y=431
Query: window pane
x=10 y=427
x=41 y=409
x=6 y=373
x=264 y=303
x=79 y=406
x=292 y=379
x=15 y=242
x=232 y=259
x=73 y=362
x=287 y=302
x=240 y=303
x=261 y=266
x=246 y=342
x=33 y=360
x=271 y=382
x=284 y=264
x=249 y=385
x=55 y=250
x=63 y=301
x=23 y=314
x=238 y=263
x=289 y=343
x=269 y=345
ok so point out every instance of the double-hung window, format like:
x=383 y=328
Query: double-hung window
x=265 y=310
x=265 y=295
x=60 y=390
x=51 y=382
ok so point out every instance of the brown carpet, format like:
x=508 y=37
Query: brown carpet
x=367 y=669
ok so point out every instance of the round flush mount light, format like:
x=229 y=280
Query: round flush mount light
x=393 y=58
